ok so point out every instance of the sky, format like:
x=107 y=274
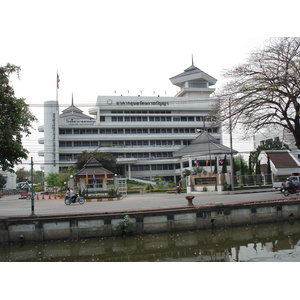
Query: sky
x=129 y=47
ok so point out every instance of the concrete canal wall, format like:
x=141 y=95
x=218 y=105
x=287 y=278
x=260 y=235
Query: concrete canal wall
x=40 y=228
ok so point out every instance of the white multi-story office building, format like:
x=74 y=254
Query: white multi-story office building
x=141 y=132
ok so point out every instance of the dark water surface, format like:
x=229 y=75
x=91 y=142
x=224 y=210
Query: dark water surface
x=278 y=242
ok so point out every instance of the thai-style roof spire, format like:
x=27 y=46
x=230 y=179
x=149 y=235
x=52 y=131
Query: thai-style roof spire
x=74 y=112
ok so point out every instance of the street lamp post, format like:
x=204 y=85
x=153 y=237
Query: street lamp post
x=32 y=189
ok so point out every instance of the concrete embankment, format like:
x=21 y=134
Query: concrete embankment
x=200 y=217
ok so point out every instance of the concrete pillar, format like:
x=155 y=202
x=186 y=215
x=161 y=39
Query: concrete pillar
x=190 y=163
x=129 y=171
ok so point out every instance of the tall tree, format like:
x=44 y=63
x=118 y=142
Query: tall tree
x=15 y=121
x=224 y=165
x=264 y=92
x=22 y=175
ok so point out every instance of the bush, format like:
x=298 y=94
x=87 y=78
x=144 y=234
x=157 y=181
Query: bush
x=125 y=226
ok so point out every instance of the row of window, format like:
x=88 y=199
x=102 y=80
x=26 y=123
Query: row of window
x=134 y=143
x=141 y=112
x=155 y=119
x=159 y=112
x=155 y=167
x=135 y=130
x=145 y=155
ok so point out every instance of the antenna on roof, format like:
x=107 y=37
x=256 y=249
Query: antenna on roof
x=72 y=100
x=192 y=60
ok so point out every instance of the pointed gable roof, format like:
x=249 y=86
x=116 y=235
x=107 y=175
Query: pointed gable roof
x=93 y=166
x=74 y=112
x=203 y=144
x=192 y=73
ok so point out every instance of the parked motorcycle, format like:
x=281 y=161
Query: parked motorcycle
x=74 y=199
x=293 y=190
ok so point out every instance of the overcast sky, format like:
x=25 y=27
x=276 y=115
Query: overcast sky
x=99 y=47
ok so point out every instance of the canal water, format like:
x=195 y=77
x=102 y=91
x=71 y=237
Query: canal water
x=278 y=242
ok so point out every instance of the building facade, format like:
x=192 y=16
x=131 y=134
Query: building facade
x=141 y=132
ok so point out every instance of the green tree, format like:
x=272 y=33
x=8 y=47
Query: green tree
x=15 y=121
x=240 y=164
x=258 y=173
x=250 y=171
x=216 y=165
x=224 y=165
x=52 y=179
x=2 y=181
x=263 y=93
x=22 y=175
x=38 y=177
x=242 y=170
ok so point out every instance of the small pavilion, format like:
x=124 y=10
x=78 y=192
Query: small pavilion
x=94 y=177
x=204 y=146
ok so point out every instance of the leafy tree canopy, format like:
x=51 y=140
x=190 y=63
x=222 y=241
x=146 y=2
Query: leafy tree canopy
x=52 y=179
x=22 y=175
x=264 y=92
x=2 y=181
x=15 y=121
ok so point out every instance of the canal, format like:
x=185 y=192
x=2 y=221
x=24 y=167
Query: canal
x=276 y=242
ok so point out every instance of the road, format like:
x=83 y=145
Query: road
x=13 y=206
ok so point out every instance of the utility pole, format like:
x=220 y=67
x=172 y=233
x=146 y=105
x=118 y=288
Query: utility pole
x=32 y=190
x=231 y=150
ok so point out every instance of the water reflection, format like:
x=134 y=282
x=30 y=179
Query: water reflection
x=272 y=242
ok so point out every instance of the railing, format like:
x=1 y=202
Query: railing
x=252 y=180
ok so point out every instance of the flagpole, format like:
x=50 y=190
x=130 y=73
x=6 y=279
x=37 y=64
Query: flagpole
x=57 y=85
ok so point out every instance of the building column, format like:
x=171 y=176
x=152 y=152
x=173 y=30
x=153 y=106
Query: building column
x=129 y=171
x=190 y=163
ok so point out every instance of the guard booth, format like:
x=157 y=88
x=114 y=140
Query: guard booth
x=24 y=192
x=205 y=181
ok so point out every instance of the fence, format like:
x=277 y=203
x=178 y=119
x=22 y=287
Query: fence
x=253 y=180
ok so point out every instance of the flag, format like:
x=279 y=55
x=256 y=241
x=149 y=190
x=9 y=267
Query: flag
x=105 y=178
x=58 y=81
x=94 y=178
x=206 y=160
x=220 y=160
x=196 y=162
x=86 y=178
